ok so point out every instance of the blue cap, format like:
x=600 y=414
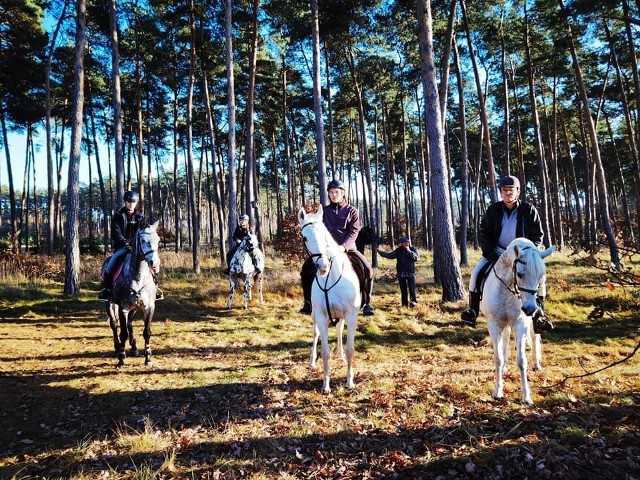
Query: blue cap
x=404 y=239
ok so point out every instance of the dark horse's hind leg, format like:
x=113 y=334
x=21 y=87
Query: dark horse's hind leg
x=111 y=313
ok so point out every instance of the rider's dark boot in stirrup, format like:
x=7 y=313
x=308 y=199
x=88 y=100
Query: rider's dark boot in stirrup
x=541 y=323
x=306 y=308
x=470 y=314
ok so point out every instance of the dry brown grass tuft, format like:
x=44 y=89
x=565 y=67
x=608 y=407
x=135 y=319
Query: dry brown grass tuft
x=231 y=395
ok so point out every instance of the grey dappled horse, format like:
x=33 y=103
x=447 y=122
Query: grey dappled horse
x=242 y=269
x=508 y=302
x=134 y=290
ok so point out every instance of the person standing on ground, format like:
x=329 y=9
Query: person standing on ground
x=406 y=257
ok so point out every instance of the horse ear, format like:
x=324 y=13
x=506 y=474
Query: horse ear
x=155 y=224
x=319 y=212
x=301 y=215
x=548 y=251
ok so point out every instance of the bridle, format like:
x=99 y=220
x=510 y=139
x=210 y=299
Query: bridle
x=326 y=287
x=516 y=289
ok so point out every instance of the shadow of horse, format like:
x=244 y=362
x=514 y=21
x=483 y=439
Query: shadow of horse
x=134 y=290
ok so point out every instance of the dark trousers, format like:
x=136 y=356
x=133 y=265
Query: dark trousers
x=407 y=290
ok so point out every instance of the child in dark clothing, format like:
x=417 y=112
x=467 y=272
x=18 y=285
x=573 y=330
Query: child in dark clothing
x=406 y=256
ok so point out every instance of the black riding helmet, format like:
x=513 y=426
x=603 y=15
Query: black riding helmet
x=335 y=184
x=130 y=196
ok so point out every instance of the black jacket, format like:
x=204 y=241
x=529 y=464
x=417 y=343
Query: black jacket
x=528 y=226
x=239 y=233
x=405 y=260
x=124 y=227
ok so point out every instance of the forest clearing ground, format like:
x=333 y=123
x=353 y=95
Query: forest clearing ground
x=231 y=395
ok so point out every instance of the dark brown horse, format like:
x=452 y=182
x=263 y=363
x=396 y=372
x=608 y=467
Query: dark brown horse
x=134 y=290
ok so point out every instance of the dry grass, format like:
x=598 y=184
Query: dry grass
x=230 y=394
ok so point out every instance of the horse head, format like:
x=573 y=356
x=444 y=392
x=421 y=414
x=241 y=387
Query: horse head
x=527 y=264
x=146 y=246
x=317 y=240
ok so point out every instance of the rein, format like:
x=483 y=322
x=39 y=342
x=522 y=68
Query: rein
x=516 y=289
x=324 y=288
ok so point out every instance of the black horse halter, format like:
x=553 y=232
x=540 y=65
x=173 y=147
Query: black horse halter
x=325 y=289
x=516 y=288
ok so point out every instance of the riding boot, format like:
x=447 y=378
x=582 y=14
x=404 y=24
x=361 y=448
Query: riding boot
x=540 y=322
x=367 y=309
x=105 y=293
x=470 y=314
x=307 y=283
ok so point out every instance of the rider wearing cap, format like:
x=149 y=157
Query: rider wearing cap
x=343 y=222
x=124 y=225
x=241 y=231
x=503 y=222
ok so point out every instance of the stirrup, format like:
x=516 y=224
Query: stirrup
x=104 y=295
x=469 y=317
x=159 y=294
x=541 y=324
x=306 y=308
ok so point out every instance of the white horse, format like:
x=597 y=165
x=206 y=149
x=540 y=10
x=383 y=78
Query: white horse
x=242 y=269
x=335 y=293
x=508 y=302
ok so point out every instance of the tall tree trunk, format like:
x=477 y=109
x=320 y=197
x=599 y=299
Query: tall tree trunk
x=117 y=103
x=231 y=120
x=445 y=61
x=595 y=148
x=483 y=109
x=251 y=198
x=72 y=239
x=51 y=237
x=195 y=214
x=317 y=104
x=535 y=119
x=444 y=252
x=464 y=167
x=12 y=191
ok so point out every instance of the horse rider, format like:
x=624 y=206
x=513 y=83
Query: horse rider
x=501 y=224
x=343 y=222
x=124 y=225
x=241 y=231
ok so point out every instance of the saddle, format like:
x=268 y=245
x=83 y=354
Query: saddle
x=116 y=272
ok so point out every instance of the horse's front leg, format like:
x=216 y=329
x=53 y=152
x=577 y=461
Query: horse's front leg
x=352 y=324
x=340 y=332
x=232 y=287
x=112 y=314
x=246 y=294
x=323 y=328
x=521 y=360
x=124 y=333
x=132 y=339
x=259 y=287
x=314 y=346
x=497 y=338
x=147 y=335
x=536 y=348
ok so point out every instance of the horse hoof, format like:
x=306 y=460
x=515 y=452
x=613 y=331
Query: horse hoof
x=350 y=385
x=527 y=401
x=134 y=352
x=149 y=363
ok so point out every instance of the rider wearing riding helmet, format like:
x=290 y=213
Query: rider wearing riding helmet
x=124 y=225
x=343 y=222
x=501 y=224
x=241 y=231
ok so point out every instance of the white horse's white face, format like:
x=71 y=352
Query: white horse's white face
x=529 y=269
x=317 y=239
x=149 y=242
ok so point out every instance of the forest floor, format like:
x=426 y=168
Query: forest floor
x=230 y=393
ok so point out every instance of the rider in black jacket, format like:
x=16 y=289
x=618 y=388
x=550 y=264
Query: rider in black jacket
x=503 y=222
x=124 y=225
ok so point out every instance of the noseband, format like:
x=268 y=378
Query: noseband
x=516 y=289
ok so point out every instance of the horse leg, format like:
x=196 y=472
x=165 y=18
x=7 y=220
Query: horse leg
x=340 y=331
x=314 y=346
x=132 y=339
x=259 y=287
x=147 y=336
x=124 y=333
x=232 y=287
x=536 y=348
x=352 y=324
x=506 y=341
x=521 y=360
x=323 y=328
x=111 y=313
x=497 y=338
x=246 y=295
